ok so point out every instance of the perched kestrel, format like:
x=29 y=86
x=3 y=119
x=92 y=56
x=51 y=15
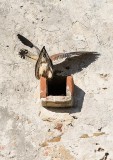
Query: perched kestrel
x=44 y=64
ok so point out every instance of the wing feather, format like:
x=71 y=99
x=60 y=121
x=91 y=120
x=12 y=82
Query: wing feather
x=60 y=57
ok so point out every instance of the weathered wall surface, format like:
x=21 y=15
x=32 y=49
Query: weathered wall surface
x=31 y=132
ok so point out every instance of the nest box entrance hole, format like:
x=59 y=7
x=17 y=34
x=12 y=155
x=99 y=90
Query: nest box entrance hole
x=57 y=86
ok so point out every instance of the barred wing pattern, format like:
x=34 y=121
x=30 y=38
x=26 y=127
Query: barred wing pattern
x=56 y=58
x=44 y=64
x=60 y=57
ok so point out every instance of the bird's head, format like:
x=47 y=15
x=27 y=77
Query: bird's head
x=44 y=65
x=43 y=56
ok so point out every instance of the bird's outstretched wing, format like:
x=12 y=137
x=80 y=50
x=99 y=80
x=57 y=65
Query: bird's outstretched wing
x=60 y=57
x=44 y=63
x=27 y=42
x=56 y=58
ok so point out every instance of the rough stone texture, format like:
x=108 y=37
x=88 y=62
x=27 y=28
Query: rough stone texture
x=62 y=26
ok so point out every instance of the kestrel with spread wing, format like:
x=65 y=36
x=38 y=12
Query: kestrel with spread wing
x=44 y=64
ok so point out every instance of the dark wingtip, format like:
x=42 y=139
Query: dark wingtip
x=25 y=41
x=18 y=35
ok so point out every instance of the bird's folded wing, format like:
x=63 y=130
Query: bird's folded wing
x=27 y=55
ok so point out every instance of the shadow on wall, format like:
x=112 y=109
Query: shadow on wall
x=76 y=64
x=78 y=99
x=71 y=66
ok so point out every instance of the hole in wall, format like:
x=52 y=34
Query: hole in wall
x=57 y=86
